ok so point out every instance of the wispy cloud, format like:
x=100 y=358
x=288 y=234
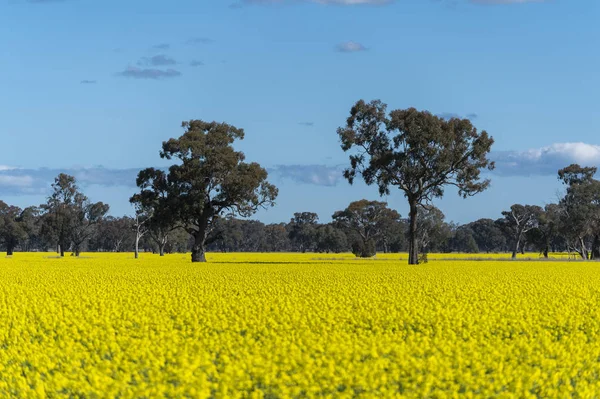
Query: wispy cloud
x=545 y=160
x=148 y=73
x=157 y=60
x=88 y=82
x=21 y=181
x=450 y=115
x=45 y=1
x=194 y=41
x=306 y=123
x=332 y=2
x=350 y=47
x=320 y=175
x=196 y=63
x=507 y=1
x=161 y=46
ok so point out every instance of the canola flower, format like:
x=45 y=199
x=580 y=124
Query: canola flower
x=297 y=325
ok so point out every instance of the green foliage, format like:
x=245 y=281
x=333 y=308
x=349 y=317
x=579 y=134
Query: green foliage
x=463 y=240
x=69 y=217
x=157 y=205
x=367 y=221
x=209 y=179
x=415 y=151
x=487 y=235
x=580 y=209
x=331 y=239
x=363 y=249
x=432 y=231
x=519 y=220
x=13 y=226
x=303 y=230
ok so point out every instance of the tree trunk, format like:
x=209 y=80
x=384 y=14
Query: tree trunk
x=546 y=249
x=516 y=248
x=583 y=253
x=198 y=252
x=198 y=248
x=161 y=249
x=413 y=246
x=9 y=250
x=76 y=250
x=137 y=246
x=61 y=249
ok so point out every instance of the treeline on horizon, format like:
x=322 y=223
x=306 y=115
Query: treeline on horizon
x=364 y=228
x=203 y=201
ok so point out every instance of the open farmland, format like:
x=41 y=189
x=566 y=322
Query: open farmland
x=287 y=325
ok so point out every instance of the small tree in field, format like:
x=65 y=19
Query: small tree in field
x=211 y=178
x=417 y=152
x=520 y=220
x=156 y=202
x=303 y=230
x=367 y=221
x=581 y=209
x=140 y=227
x=69 y=216
x=12 y=226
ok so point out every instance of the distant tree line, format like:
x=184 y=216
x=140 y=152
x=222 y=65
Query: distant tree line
x=70 y=222
x=202 y=202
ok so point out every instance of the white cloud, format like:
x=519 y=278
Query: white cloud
x=507 y=1
x=320 y=175
x=350 y=47
x=333 y=2
x=546 y=160
x=19 y=181
x=16 y=181
x=351 y=2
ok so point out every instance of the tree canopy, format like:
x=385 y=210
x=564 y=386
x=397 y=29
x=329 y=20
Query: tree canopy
x=367 y=221
x=415 y=151
x=209 y=179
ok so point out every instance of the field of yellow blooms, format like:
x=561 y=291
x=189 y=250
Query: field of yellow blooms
x=297 y=325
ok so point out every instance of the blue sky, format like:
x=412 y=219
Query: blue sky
x=92 y=88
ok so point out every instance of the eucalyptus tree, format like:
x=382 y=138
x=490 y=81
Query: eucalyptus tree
x=12 y=226
x=367 y=221
x=548 y=229
x=303 y=230
x=417 y=152
x=140 y=228
x=581 y=209
x=488 y=236
x=155 y=207
x=69 y=217
x=519 y=220
x=209 y=179
x=432 y=231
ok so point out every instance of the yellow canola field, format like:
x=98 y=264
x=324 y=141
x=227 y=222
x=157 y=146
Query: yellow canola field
x=296 y=325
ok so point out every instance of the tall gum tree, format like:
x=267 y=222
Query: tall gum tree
x=211 y=179
x=417 y=152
